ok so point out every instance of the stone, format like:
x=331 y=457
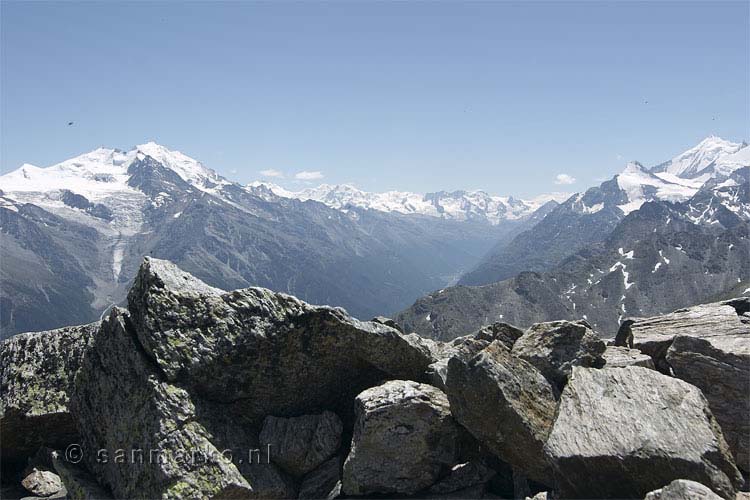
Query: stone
x=506 y=404
x=300 y=444
x=618 y=357
x=42 y=483
x=502 y=332
x=323 y=482
x=623 y=432
x=720 y=367
x=554 y=348
x=463 y=476
x=387 y=322
x=404 y=439
x=36 y=378
x=682 y=489
x=654 y=335
x=78 y=482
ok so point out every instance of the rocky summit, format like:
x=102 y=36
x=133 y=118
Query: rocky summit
x=196 y=392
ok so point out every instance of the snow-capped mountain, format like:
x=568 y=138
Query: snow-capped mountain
x=453 y=205
x=694 y=161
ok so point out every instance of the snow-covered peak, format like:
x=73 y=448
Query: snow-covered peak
x=191 y=170
x=456 y=205
x=694 y=160
x=641 y=185
x=725 y=165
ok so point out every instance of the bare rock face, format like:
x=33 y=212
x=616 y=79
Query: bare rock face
x=300 y=444
x=404 y=439
x=506 y=404
x=619 y=357
x=654 y=335
x=262 y=350
x=623 y=432
x=554 y=348
x=720 y=367
x=36 y=378
x=682 y=489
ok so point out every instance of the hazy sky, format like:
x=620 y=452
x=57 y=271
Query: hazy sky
x=421 y=96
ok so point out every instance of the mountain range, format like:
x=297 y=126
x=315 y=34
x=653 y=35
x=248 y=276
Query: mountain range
x=75 y=233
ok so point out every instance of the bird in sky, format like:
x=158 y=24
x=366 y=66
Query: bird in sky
x=70 y=123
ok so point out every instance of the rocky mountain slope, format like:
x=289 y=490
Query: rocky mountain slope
x=255 y=394
x=589 y=217
x=74 y=234
x=660 y=257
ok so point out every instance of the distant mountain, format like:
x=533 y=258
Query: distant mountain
x=73 y=235
x=589 y=217
x=454 y=205
x=661 y=257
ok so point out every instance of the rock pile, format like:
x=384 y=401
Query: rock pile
x=193 y=392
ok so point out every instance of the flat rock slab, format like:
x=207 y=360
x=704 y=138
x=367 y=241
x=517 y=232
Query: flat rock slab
x=619 y=357
x=682 y=489
x=623 y=432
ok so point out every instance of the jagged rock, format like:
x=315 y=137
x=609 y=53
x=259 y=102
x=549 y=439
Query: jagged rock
x=300 y=444
x=554 y=348
x=623 y=432
x=79 y=483
x=36 y=377
x=261 y=350
x=42 y=483
x=324 y=482
x=502 y=332
x=404 y=438
x=654 y=335
x=463 y=476
x=506 y=404
x=618 y=357
x=720 y=367
x=387 y=322
x=682 y=489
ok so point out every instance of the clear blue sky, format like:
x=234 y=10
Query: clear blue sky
x=408 y=95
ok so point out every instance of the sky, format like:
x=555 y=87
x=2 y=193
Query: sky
x=513 y=98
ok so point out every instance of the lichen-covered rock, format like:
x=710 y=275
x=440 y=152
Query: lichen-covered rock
x=404 y=439
x=42 y=483
x=506 y=404
x=36 y=377
x=267 y=353
x=619 y=357
x=324 y=482
x=682 y=489
x=720 y=367
x=654 y=335
x=554 y=348
x=622 y=432
x=300 y=444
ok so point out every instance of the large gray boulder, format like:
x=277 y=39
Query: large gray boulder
x=404 y=439
x=506 y=404
x=554 y=348
x=619 y=357
x=682 y=489
x=36 y=378
x=720 y=367
x=300 y=444
x=623 y=432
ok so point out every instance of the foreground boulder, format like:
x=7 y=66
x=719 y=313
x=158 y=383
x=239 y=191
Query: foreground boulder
x=554 y=348
x=623 y=432
x=404 y=439
x=681 y=489
x=506 y=404
x=36 y=378
x=720 y=368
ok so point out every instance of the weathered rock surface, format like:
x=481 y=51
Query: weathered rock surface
x=300 y=444
x=505 y=403
x=720 y=367
x=404 y=439
x=79 y=483
x=623 y=432
x=324 y=482
x=42 y=483
x=619 y=357
x=682 y=489
x=554 y=348
x=654 y=335
x=463 y=476
x=387 y=322
x=261 y=350
x=36 y=378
